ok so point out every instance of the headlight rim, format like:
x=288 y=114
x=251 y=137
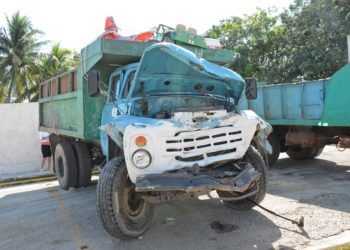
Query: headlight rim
x=148 y=153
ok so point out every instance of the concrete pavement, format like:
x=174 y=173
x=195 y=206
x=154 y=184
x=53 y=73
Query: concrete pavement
x=41 y=216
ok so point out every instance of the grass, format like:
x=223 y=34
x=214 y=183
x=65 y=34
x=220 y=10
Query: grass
x=345 y=246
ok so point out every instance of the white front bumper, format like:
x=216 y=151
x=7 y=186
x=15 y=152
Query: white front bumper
x=175 y=146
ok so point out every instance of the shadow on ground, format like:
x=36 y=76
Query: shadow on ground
x=318 y=182
x=49 y=218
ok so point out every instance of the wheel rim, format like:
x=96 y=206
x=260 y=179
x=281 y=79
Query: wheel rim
x=133 y=202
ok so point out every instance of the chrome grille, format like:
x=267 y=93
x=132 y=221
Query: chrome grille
x=196 y=145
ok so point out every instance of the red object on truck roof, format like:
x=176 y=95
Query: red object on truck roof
x=111 y=29
x=144 y=37
x=110 y=24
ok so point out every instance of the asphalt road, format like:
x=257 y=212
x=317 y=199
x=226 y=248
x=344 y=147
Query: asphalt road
x=41 y=216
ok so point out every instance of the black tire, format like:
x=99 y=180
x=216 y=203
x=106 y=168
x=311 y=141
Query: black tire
x=84 y=164
x=254 y=158
x=121 y=217
x=65 y=165
x=276 y=149
x=299 y=153
x=318 y=151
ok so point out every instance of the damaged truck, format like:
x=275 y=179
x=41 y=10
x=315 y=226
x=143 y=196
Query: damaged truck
x=306 y=116
x=161 y=122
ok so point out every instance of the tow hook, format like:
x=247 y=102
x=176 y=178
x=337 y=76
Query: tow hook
x=299 y=223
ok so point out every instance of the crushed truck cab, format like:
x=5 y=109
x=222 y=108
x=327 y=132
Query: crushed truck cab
x=179 y=127
x=168 y=129
x=173 y=118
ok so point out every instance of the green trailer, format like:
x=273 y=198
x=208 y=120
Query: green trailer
x=305 y=116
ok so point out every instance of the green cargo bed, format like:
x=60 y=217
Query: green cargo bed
x=323 y=103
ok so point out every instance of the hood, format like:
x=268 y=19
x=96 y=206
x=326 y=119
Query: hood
x=165 y=60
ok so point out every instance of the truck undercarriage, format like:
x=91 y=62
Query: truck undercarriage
x=192 y=182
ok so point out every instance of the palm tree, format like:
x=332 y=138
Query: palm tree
x=46 y=66
x=19 y=48
x=57 y=61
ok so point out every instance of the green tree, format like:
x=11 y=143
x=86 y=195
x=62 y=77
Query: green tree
x=19 y=47
x=57 y=61
x=306 y=41
x=257 y=41
x=317 y=31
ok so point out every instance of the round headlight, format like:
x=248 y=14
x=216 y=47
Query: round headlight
x=141 y=158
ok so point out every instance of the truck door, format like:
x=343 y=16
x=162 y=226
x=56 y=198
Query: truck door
x=123 y=101
x=110 y=110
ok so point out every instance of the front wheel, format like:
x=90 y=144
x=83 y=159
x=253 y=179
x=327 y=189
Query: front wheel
x=253 y=157
x=123 y=212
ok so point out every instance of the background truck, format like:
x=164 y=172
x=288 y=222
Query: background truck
x=305 y=116
x=163 y=124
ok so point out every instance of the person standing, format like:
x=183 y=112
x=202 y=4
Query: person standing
x=45 y=150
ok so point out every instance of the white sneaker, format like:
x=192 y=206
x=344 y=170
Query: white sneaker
x=41 y=170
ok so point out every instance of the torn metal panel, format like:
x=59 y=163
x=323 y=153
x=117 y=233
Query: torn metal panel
x=264 y=129
x=114 y=132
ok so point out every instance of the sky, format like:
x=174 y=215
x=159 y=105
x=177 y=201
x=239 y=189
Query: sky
x=76 y=23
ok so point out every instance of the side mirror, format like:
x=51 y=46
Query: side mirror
x=93 y=83
x=251 y=89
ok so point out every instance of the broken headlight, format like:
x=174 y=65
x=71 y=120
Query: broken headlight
x=141 y=158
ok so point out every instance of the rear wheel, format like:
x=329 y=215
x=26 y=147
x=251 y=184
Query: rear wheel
x=123 y=212
x=65 y=165
x=299 y=153
x=318 y=151
x=276 y=149
x=83 y=163
x=254 y=158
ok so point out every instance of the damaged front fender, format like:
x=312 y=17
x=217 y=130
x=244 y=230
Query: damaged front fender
x=114 y=133
x=264 y=129
x=116 y=129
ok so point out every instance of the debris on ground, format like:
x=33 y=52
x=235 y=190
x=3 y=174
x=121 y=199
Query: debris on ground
x=223 y=227
x=169 y=221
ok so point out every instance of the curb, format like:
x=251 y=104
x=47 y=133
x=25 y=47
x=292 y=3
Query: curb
x=32 y=179
x=26 y=180
x=336 y=242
